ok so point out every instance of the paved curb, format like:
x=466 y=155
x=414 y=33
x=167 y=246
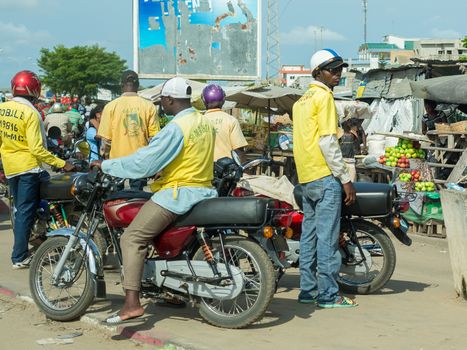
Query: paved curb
x=111 y=330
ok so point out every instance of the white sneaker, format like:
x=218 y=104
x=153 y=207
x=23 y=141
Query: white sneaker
x=23 y=264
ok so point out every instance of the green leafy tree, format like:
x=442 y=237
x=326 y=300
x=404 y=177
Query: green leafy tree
x=464 y=41
x=80 y=70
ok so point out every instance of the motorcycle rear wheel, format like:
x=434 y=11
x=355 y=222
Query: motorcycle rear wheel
x=377 y=270
x=75 y=293
x=258 y=290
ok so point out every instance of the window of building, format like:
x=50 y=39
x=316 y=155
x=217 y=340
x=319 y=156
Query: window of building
x=440 y=52
x=449 y=52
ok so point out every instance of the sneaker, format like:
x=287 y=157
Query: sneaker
x=23 y=264
x=342 y=302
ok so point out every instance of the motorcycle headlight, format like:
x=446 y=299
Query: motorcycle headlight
x=81 y=189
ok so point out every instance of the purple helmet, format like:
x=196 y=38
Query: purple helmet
x=213 y=96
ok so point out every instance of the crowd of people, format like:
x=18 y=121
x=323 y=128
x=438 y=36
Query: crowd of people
x=126 y=141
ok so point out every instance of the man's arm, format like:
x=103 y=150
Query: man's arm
x=153 y=123
x=36 y=147
x=149 y=160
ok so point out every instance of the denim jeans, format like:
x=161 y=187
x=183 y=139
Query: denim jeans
x=25 y=192
x=320 y=259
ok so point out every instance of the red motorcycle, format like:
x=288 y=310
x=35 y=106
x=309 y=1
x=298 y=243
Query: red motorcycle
x=368 y=255
x=198 y=259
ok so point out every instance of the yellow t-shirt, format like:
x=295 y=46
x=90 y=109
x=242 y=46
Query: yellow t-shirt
x=129 y=122
x=229 y=135
x=314 y=115
x=21 y=142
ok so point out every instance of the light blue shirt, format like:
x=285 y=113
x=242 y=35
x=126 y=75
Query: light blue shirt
x=149 y=160
x=93 y=143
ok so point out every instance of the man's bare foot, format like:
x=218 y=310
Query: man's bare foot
x=128 y=313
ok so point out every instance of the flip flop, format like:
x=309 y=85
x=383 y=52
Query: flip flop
x=116 y=320
x=342 y=302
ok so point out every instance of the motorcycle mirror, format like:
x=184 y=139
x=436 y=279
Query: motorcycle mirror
x=236 y=158
x=83 y=147
x=54 y=133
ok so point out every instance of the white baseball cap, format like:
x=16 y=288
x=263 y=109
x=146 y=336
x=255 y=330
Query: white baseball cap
x=177 y=88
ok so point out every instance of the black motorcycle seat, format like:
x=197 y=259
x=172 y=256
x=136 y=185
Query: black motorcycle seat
x=227 y=211
x=373 y=200
x=130 y=194
x=58 y=187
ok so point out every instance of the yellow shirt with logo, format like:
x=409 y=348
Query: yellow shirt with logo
x=22 y=146
x=314 y=116
x=229 y=135
x=194 y=165
x=129 y=122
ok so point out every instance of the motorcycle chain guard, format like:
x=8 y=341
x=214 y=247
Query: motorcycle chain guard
x=154 y=270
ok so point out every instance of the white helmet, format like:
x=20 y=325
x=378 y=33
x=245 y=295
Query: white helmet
x=326 y=58
x=57 y=108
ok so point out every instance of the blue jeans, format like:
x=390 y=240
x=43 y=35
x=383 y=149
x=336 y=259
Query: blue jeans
x=320 y=259
x=25 y=192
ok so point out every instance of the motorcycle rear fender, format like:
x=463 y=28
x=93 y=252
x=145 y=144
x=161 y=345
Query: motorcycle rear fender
x=401 y=232
x=153 y=274
x=92 y=252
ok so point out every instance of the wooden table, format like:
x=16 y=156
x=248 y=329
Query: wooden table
x=449 y=150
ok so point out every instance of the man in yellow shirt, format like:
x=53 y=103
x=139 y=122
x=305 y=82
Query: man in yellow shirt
x=182 y=152
x=23 y=150
x=229 y=135
x=322 y=174
x=128 y=123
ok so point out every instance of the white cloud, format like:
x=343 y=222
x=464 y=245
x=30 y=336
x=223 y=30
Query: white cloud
x=9 y=4
x=310 y=34
x=13 y=34
x=445 y=33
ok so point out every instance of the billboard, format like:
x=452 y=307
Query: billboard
x=199 y=39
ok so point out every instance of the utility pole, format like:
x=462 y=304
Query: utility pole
x=365 y=11
x=273 y=53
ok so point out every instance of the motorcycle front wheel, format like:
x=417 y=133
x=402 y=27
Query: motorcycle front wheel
x=368 y=273
x=69 y=297
x=258 y=287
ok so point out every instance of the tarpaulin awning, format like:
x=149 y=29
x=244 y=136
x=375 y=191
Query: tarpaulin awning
x=450 y=89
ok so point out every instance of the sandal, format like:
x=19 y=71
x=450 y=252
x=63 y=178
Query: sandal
x=116 y=320
x=342 y=302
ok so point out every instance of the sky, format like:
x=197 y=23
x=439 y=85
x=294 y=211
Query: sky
x=26 y=26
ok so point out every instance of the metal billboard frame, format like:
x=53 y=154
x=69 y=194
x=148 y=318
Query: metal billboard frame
x=136 y=36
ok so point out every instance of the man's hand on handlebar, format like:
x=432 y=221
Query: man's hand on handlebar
x=68 y=167
x=350 y=193
x=96 y=163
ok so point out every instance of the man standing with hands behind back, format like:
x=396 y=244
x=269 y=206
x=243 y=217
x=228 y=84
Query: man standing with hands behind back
x=322 y=174
x=128 y=123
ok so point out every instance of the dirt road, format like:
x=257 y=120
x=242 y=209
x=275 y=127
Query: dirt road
x=22 y=326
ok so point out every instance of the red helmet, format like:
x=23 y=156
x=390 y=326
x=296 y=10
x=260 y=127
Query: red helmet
x=26 y=83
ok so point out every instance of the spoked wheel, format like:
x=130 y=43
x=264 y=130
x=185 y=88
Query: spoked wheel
x=368 y=272
x=258 y=287
x=71 y=295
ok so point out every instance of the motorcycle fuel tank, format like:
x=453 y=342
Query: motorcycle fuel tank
x=119 y=213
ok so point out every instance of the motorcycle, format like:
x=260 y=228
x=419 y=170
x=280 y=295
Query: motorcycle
x=368 y=254
x=57 y=207
x=196 y=259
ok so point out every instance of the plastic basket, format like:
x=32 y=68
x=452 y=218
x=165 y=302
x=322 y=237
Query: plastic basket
x=441 y=127
x=459 y=126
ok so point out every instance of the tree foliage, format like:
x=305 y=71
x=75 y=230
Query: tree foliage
x=464 y=41
x=80 y=70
